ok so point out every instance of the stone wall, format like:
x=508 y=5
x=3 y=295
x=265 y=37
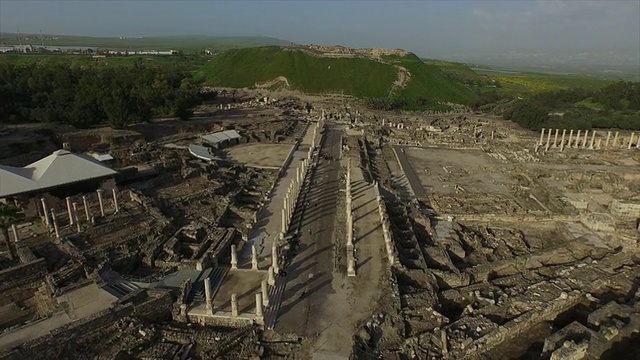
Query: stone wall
x=625 y=209
x=19 y=283
x=226 y=321
x=157 y=306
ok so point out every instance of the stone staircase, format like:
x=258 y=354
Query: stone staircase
x=275 y=300
x=216 y=274
x=121 y=289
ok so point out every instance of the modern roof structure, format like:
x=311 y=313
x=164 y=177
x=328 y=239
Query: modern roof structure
x=60 y=168
x=202 y=152
x=221 y=136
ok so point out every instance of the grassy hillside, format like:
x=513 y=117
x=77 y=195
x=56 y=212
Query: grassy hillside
x=363 y=78
x=429 y=82
x=458 y=71
x=181 y=43
x=246 y=67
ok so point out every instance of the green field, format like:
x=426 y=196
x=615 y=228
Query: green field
x=538 y=82
x=180 y=43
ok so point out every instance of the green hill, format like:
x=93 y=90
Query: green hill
x=458 y=71
x=361 y=77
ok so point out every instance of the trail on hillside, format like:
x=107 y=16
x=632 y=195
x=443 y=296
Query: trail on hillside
x=271 y=83
x=403 y=79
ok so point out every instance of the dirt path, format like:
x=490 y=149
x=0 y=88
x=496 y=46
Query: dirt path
x=403 y=79
x=271 y=83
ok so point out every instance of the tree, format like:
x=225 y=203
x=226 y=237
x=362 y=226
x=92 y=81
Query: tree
x=8 y=216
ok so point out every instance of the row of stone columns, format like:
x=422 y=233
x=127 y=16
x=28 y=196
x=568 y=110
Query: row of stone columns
x=50 y=219
x=351 y=260
x=385 y=228
x=262 y=300
x=581 y=140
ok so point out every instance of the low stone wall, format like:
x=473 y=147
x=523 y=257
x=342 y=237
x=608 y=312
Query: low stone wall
x=156 y=307
x=226 y=321
x=287 y=161
x=22 y=275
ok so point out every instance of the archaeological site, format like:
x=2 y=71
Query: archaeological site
x=286 y=226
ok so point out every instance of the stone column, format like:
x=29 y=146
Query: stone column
x=254 y=257
x=116 y=208
x=555 y=138
x=45 y=210
x=577 y=140
x=564 y=132
x=271 y=276
x=570 y=138
x=599 y=144
x=259 y=309
x=542 y=137
x=234 y=257
x=593 y=139
x=351 y=266
x=546 y=147
x=615 y=139
x=69 y=211
x=16 y=236
x=86 y=208
x=207 y=295
x=55 y=223
x=274 y=258
x=234 y=305
x=75 y=217
x=586 y=138
x=99 y=191
x=284 y=219
x=606 y=143
x=265 y=293
x=348 y=208
x=630 y=141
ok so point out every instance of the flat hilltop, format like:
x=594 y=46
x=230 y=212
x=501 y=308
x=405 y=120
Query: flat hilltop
x=390 y=78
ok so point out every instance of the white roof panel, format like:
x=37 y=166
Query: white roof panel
x=60 y=168
x=15 y=181
x=221 y=136
x=232 y=134
x=202 y=152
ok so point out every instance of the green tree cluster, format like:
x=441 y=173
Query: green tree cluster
x=86 y=96
x=618 y=106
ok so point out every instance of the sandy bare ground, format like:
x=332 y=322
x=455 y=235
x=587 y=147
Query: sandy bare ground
x=260 y=155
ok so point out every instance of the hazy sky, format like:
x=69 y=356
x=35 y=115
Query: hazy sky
x=429 y=28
